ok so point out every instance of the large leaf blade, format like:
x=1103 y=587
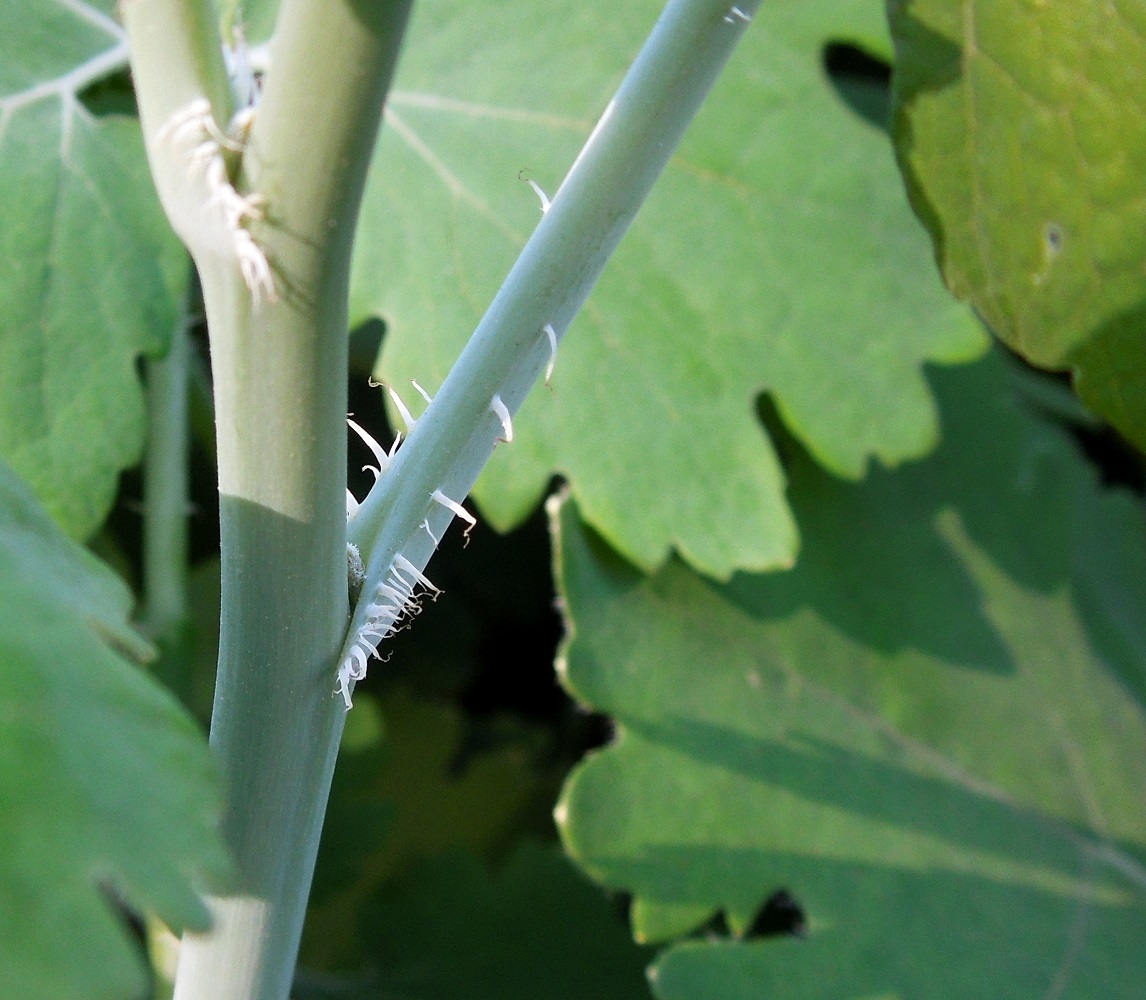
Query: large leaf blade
x=779 y=225
x=106 y=785
x=90 y=272
x=931 y=731
x=1020 y=132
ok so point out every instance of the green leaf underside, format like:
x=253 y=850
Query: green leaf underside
x=776 y=255
x=107 y=788
x=1021 y=130
x=89 y=270
x=534 y=928
x=931 y=731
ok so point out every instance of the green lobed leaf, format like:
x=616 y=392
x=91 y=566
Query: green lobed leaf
x=107 y=789
x=776 y=255
x=90 y=273
x=932 y=731
x=1020 y=131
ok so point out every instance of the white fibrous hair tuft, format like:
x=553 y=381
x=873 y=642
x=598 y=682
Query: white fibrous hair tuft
x=502 y=412
x=406 y=415
x=376 y=449
x=407 y=567
x=244 y=82
x=393 y=602
x=542 y=196
x=551 y=334
x=456 y=508
x=194 y=126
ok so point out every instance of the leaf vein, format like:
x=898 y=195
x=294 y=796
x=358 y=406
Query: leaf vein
x=452 y=182
x=94 y=17
x=493 y=112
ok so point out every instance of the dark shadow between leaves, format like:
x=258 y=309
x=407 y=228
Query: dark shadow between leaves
x=860 y=81
x=883 y=559
x=533 y=928
x=1109 y=587
x=1109 y=375
x=874 y=562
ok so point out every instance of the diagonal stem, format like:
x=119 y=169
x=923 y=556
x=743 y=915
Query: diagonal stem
x=515 y=340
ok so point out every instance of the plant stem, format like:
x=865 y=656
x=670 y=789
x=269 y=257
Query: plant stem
x=165 y=487
x=176 y=57
x=280 y=372
x=637 y=134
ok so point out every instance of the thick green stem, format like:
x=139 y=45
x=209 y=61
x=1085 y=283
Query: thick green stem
x=280 y=403
x=165 y=488
x=637 y=134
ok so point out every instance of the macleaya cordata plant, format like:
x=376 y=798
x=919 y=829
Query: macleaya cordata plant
x=920 y=746
x=263 y=185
